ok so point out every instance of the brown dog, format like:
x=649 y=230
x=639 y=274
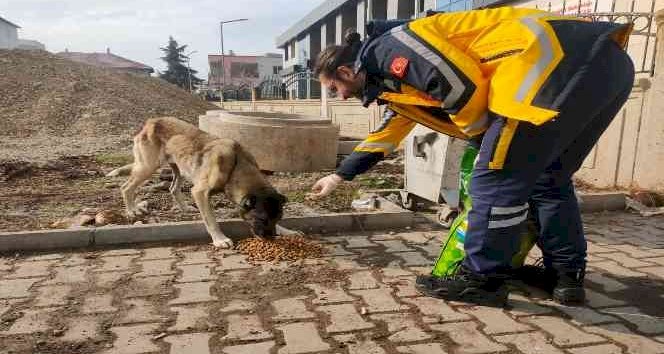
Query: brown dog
x=213 y=165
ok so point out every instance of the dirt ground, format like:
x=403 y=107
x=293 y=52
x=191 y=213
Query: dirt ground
x=35 y=195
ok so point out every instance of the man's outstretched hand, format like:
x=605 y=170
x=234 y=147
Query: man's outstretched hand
x=324 y=186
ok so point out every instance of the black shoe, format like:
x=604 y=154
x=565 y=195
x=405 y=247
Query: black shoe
x=569 y=288
x=566 y=287
x=465 y=286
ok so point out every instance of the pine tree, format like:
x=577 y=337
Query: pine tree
x=177 y=72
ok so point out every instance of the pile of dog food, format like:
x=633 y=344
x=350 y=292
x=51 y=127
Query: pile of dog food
x=285 y=248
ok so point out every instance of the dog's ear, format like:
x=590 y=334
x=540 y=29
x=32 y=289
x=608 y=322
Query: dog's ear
x=249 y=202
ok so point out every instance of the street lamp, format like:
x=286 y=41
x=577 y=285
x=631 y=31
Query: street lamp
x=189 y=67
x=223 y=68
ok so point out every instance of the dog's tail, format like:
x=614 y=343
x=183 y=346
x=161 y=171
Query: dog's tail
x=121 y=171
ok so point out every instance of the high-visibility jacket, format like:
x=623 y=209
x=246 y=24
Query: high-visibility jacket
x=449 y=70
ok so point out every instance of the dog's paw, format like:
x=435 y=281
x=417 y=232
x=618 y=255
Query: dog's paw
x=186 y=209
x=142 y=207
x=282 y=231
x=223 y=243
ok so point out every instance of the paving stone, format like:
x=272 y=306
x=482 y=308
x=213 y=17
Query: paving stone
x=402 y=328
x=98 y=304
x=74 y=260
x=348 y=263
x=596 y=248
x=336 y=250
x=658 y=260
x=597 y=349
x=195 y=272
x=109 y=279
x=68 y=275
x=617 y=270
x=140 y=310
x=530 y=343
x=358 y=242
x=406 y=288
x=5 y=265
x=469 y=338
x=191 y=318
x=379 y=300
x=329 y=294
x=357 y=345
x=610 y=285
x=563 y=333
x=495 y=320
x=16 y=288
x=239 y=305
x=154 y=268
x=194 y=343
x=54 y=295
x=583 y=316
x=121 y=252
x=417 y=237
x=193 y=292
x=254 y=348
x=150 y=286
x=625 y=260
x=134 y=339
x=45 y=257
x=638 y=252
x=196 y=257
x=31 y=270
x=291 y=309
x=411 y=259
x=431 y=250
x=636 y=344
x=81 y=329
x=344 y=318
x=245 y=327
x=438 y=309
x=117 y=263
x=234 y=262
x=644 y=323
x=157 y=253
x=431 y=348
x=301 y=337
x=394 y=246
x=595 y=299
x=656 y=271
x=362 y=280
x=32 y=321
x=384 y=237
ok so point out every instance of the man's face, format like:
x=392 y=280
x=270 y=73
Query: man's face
x=345 y=84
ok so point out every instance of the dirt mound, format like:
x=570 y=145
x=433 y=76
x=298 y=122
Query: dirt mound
x=42 y=95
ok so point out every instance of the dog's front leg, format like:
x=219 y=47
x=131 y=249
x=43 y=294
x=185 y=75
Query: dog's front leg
x=282 y=231
x=202 y=198
x=176 y=191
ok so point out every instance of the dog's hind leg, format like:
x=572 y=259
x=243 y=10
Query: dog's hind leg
x=146 y=162
x=176 y=191
x=282 y=231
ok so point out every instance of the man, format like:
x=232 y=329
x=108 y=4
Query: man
x=533 y=91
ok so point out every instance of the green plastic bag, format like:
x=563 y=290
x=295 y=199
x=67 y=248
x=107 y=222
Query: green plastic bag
x=453 y=253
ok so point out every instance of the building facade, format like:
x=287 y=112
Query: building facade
x=242 y=71
x=8 y=34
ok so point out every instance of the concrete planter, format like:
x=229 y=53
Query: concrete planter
x=278 y=141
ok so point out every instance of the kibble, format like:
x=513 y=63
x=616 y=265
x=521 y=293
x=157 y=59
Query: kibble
x=285 y=248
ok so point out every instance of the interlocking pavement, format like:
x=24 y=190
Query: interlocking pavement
x=358 y=299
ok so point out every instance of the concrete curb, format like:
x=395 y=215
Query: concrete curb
x=598 y=202
x=193 y=231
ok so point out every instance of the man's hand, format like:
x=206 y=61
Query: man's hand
x=325 y=186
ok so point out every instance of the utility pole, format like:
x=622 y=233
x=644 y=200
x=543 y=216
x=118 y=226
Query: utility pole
x=189 y=68
x=223 y=67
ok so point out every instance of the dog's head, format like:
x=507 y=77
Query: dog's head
x=262 y=211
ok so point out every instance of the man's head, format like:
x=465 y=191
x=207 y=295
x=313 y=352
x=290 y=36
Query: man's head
x=334 y=68
x=262 y=211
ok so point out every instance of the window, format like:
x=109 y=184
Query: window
x=453 y=5
x=276 y=69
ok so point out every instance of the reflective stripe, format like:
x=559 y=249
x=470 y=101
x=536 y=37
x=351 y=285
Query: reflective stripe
x=499 y=224
x=508 y=210
x=457 y=87
x=546 y=56
x=477 y=125
x=383 y=146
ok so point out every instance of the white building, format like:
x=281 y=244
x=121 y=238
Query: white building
x=8 y=34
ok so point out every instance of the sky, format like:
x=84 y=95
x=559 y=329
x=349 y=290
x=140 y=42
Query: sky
x=136 y=29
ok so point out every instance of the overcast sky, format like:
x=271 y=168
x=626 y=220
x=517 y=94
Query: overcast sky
x=135 y=29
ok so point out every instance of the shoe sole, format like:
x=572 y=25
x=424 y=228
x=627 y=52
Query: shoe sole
x=475 y=296
x=569 y=296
